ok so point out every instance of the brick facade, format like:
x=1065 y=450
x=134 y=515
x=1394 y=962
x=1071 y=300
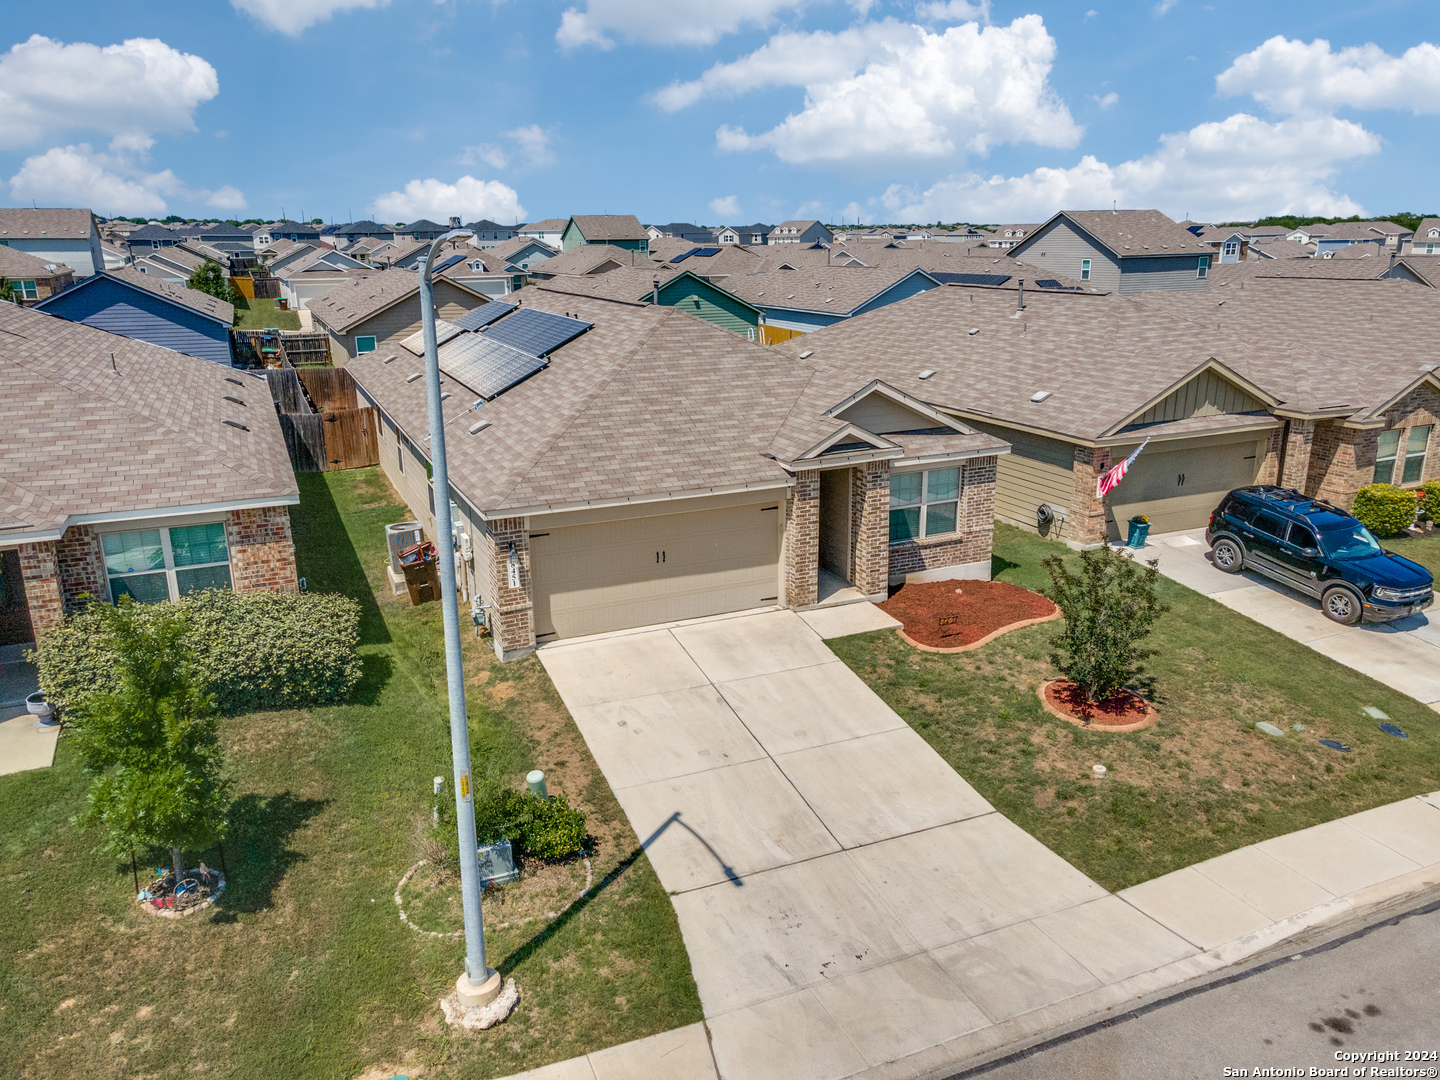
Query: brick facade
x=800 y=550
x=262 y=550
x=1419 y=407
x=870 y=527
x=1342 y=461
x=81 y=566
x=975 y=529
x=1299 y=448
x=1269 y=472
x=40 y=575
x=1086 y=513
x=511 y=611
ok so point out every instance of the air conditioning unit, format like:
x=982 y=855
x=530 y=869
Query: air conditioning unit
x=467 y=547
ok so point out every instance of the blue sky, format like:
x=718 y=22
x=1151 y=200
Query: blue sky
x=721 y=111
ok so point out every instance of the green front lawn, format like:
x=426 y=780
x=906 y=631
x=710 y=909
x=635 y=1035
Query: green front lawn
x=1204 y=780
x=305 y=970
x=263 y=315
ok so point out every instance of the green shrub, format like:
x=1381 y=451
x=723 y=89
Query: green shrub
x=556 y=830
x=1385 y=509
x=254 y=650
x=537 y=825
x=1430 y=503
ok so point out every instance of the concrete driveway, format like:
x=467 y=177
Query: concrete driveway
x=1404 y=654
x=846 y=898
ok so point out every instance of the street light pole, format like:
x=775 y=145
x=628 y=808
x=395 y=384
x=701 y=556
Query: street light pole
x=479 y=985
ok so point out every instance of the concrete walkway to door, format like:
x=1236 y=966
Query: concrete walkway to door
x=1404 y=655
x=847 y=900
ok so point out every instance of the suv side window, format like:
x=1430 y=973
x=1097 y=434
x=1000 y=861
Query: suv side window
x=1302 y=537
x=1241 y=512
x=1266 y=523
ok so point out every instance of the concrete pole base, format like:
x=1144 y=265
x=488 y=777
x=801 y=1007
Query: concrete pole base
x=478 y=995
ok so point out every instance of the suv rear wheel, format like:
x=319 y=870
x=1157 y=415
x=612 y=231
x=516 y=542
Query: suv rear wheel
x=1227 y=556
x=1341 y=605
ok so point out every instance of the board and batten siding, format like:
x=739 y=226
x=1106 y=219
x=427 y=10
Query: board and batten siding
x=134 y=313
x=1037 y=470
x=1060 y=247
x=710 y=304
x=1208 y=394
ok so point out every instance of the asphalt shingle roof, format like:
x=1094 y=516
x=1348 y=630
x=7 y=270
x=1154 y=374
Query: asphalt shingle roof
x=1128 y=233
x=45 y=224
x=601 y=227
x=352 y=302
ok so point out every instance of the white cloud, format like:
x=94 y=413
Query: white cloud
x=1109 y=101
x=486 y=154
x=883 y=91
x=726 y=208
x=434 y=199
x=109 y=184
x=532 y=146
x=1235 y=168
x=1164 y=7
x=669 y=22
x=1293 y=78
x=127 y=91
x=293 y=17
x=954 y=10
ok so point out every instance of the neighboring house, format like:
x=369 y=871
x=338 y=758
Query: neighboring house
x=616 y=230
x=479 y=270
x=682 y=230
x=589 y=259
x=757 y=235
x=359 y=230
x=1007 y=236
x=377 y=312
x=68 y=236
x=223 y=237
x=172 y=264
x=129 y=469
x=424 y=229
x=684 y=290
x=1230 y=245
x=290 y=230
x=1426 y=240
x=315 y=272
x=1350 y=264
x=551 y=231
x=113 y=256
x=636 y=465
x=801 y=232
x=521 y=253
x=1124 y=251
x=150 y=238
x=136 y=305
x=1263 y=388
x=489 y=233
x=799 y=301
x=31 y=278
x=1344 y=233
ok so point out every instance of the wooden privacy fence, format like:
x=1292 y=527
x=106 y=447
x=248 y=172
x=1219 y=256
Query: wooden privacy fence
x=261 y=348
x=325 y=428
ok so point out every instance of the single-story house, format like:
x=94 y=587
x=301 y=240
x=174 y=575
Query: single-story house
x=1125 y=251
x=134 y=304
x=376 y=313
x=59 y=235
x=32 y=278
x=617 y=230
x=131 y=469
x=801 y=232
x=1257 y=385
x=802 y=300
x=619 y=464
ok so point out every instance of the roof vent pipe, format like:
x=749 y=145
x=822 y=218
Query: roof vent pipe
x=655 y=291
x=1020 y=294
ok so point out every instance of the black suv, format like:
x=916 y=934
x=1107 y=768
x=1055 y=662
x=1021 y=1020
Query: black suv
x=1318 y=549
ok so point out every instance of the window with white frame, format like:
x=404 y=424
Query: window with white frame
x=1417 y=442
x=1202 y=269
x=24 y=290
x=1386 y=450
x=151 y=565
x=1232 y=247
x=923 y=504
x=1084 y=269
x=365 y=343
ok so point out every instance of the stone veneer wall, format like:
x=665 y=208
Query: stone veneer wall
x=975 y=528
x=511 y=611
x=262 y=550
x=80 y=562
x=800 y=550
x=39 y=574
x=870 y=527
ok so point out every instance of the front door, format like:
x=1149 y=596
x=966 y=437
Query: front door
x=15 y=628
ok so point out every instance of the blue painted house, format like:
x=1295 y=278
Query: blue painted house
x=139 y=306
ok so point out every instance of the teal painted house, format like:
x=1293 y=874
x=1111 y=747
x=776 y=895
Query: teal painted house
x=618 y=230
x=711 y=303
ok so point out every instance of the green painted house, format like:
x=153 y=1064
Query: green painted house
x=619 y=230
x=711 y=303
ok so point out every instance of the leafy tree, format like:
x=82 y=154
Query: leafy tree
x=7 y=291
x=150 y=746
x=210 y=278
x=1109 y=608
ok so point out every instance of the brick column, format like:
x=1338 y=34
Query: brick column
x=1299 y=446
x=41 y=577
x=870 y=527
x=801 y=548
x=512 y=611
x=1269 y=472
x=81 y=565
x=1086 y=513
x=262 y=551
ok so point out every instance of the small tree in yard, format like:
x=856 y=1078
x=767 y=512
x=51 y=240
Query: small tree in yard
x=151 y=745
x=1109 y=608
x=210 y=278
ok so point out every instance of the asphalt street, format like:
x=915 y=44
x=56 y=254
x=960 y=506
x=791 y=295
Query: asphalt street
x=1374 y=988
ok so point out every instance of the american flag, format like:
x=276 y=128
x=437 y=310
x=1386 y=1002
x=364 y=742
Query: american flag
x=1110 y=479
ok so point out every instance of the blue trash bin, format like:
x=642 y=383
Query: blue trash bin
x=1139 y=530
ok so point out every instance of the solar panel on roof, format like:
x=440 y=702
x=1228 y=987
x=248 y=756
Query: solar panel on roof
x=684 y=255
x=1051 y=283
x=536 y=332
x=444 y=331
x=487 y=367
x=705 y=252
x=451 y=261
x=483 y=315
x=947 y=278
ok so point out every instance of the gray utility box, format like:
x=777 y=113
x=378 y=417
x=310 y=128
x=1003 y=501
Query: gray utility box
x=497 y=863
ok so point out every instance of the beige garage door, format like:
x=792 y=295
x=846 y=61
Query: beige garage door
x=587 y=579
x=1177 y=489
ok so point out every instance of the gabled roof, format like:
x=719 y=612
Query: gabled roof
x=191 y=299
x=17 y=265
x=98 y=424
x=603 y=227
x=1126 y=234
x=351 y=303
x=365 y=227
x=486 y=225
x=25 y=223
x=835 y=290
x=423 y=225
x=147 y=233
x=554 y=224
x=588 y=258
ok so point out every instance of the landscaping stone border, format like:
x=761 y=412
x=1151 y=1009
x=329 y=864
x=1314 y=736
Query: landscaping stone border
x=1152 y=715
x=171 y=913
x=400 y=905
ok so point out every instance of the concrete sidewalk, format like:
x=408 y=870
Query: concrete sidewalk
x=1404 y=655
x=22 y=746
x=853 y=909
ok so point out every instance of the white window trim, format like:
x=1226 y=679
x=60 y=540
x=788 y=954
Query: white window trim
x=1085 y=269
x=1406 y=453
x=924 y=503
x=374 y=343
x=1202 y=268
x=171 y=583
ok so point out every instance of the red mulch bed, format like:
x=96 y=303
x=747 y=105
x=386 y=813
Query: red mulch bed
x=978 y=609
x=1120 y=709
